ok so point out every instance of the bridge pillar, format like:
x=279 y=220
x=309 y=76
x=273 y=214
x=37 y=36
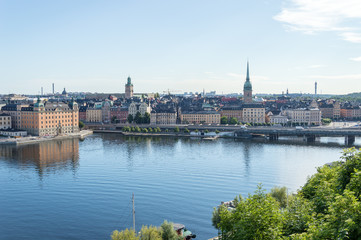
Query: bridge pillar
x=349 y=140
x=273 y=136
x=309 y=138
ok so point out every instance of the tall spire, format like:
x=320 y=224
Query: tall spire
x=247 y=78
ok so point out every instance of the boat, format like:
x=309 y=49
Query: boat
x=182 y=231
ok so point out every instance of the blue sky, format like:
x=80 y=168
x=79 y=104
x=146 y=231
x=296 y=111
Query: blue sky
x=180 y=45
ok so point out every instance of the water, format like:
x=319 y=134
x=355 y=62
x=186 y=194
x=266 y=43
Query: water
x=82 y=189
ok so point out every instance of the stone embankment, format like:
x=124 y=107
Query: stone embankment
x=31 y=140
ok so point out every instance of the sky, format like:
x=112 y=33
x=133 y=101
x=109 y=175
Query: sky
x=180 y=45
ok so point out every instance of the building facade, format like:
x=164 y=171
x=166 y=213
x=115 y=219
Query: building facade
x=50 y=119
x=201 y=117
x=140 y=107
x=305 y=116
x=232 y=112
x=94 y=115
x=254 y=113
x=14 y=110
x=119 y=114
x=5 y=121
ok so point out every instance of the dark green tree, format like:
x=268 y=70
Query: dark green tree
x=81 y=125
x=138 y=118
x=130 y=118
x=224 y=120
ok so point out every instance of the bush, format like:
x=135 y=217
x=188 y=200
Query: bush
x=176 y=129
x=186 y=130
x=206 y=131
x=217 y=131
x=144 y=130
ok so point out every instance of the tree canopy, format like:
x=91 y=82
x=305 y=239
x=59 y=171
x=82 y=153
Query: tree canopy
x=327 y=207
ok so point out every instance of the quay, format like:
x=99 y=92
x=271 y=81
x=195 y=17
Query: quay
x=36 y=139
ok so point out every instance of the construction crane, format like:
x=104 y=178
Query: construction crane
x=171 y=91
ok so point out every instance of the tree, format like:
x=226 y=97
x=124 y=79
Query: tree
x=150 y=233
x=168 y=232
x=176 y=129
x=146 y=118
x=158 y=129
x=233 y=120
x=130 y=118
x=138 y=118
x=224 y=120
x=206 y=131
x=280 y=194
x=217 y=131
x=186 y=130
x=124 y=235
x=81 y=125
x=257 y=217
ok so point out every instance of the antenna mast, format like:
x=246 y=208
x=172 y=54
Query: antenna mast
x=133 y=213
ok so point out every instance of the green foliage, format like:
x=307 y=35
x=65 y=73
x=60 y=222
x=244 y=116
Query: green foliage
x=130 y=118
x=144 y=130
x=158 y=129
x=196 y=130
x=146 y=118
x=150 y=129
x=126 y=129
x=166 y=130
x=257 y=217
x=326 y=121
x=280 y=194
x=217 y=131
x=81 y=124
x=186 y=130
x=132 y=129
x=328 y=206
x=138 y=118
x=233 y=120
x=150 y=233
x=224 y=120
x=137 y=129
x=124 y=235
x=176 y=129
x=206 y=131
x=168 y=232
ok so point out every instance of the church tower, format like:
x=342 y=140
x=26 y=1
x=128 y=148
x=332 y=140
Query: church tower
x=129 y=89
x=247 y=88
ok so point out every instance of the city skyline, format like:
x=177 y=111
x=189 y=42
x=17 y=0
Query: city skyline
x=92 y=46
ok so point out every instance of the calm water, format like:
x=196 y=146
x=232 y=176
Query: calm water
x=82 y=189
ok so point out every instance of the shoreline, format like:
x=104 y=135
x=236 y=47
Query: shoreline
x=36 y=139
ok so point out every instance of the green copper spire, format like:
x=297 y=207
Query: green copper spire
x=247 y=85
x=247 y=78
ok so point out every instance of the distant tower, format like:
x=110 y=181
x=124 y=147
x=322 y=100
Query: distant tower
x=42 y=91
x=53 y=89
x=287 y=92
x=315 y=88
x=247 y=88
x=129 y=89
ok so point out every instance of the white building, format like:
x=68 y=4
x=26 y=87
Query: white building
x=5 y=121
x=141 y=107
x=305 y=116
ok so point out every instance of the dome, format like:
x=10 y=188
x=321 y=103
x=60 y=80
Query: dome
x=64 y=92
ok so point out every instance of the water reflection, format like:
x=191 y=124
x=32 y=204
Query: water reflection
x=46 y=157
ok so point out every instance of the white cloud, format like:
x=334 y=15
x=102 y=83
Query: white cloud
x=312 y=16
x=356 y=59
x=236 y=75
x=316 y=66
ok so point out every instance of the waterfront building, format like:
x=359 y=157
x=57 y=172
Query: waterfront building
x=351 y=112
x=13 y=133
x=247 y=88
x=14 y=110
x=93 y=115
x=331 y=110
x=141 y=107
x=254 y=113
x=277 y=118
x=119 y=114
x=165 y=114
x=200 y=117
x=232 y=111
x=129 y=89
x=307 y=116
x=50 y=119
x=5 y=121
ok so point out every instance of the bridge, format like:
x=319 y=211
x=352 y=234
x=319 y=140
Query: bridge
x=308 y=135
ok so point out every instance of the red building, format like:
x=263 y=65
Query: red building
x=119 y=114
x=82 y=113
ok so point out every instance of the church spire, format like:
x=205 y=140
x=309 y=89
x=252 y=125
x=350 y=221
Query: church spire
x=247 y=78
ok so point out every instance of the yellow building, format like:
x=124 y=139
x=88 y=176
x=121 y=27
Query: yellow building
x=204 y=117
x=232 y=111
x=94 y=115
x=254 y=113
x=5 y=121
